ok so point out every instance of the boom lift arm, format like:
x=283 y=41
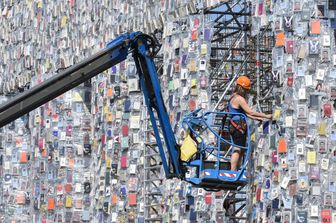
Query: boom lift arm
x=213 y=175
x=143 y=48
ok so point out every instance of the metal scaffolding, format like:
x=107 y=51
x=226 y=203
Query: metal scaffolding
x=230 y=51
x=263 y=44
x=236 y=52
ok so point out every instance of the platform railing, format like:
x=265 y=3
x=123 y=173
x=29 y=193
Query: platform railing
x=197 y=122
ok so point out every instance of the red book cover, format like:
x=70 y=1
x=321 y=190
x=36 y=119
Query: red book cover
x=327 y=110
x=260 y=8
x=41 y=143
x=208 y=198
x=67 y=188
x=132 y=199
x=325 y=215
x=290 y=46
x=274 y=157
x=124 y=130
x=194 y=34
x=290 y=81
x=103 y=139
x=68 y=130
x=196 y=22
x=123 y=161
x=258 y=194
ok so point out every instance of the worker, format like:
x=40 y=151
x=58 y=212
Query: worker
x=238 y=127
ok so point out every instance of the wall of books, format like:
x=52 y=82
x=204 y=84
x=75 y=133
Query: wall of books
x=296 y=157
x=79 y=158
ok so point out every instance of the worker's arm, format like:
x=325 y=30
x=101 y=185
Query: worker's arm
x=249 y=112
x=255 y=117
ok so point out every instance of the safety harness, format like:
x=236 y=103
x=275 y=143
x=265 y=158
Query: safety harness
x=241 y=126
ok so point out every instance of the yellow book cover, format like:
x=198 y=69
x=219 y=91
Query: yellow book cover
x=311 y=157
x=68 y=202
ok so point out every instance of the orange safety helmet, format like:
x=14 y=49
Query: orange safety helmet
x=244 y=82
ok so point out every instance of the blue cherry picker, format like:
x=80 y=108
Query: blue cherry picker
x=200 y=162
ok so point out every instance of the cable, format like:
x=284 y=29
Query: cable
x=154 y=45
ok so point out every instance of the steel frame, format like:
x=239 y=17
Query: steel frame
x=231 y=56
x=230 y=48
x=263 y=44
x=235 y=52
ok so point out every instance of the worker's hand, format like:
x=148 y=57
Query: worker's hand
x=269 y=116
